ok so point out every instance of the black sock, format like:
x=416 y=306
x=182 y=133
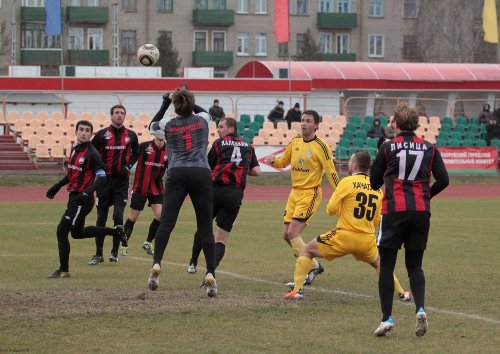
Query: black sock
x=129 y=227
x=220 y=249
x=153 y=227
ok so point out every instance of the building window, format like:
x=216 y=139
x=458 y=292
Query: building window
x=201 y=4
x=299 y=7
x=242 y=43
x=33 y=36
x=75 y=3
x=242 y=7
x=167 y=34
x=261 y=6
x=129 y=5
x=342 y=43
x=219 y=4
x=261 y=44
x=325 y=6
x=200 y=41
x=376 y=45
x=300 y=43
x=325 y=43
x=410 y=49
x=128 y=42
x=283 y=49
x=344 y=6
x=33 y=3
x=219 y=41
x=410 y=8
x=94 y=38
x=75 y=41
x=376 y=8
x=165 y=6
x=220 y=74
x=93 y=3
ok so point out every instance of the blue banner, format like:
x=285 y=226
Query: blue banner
x=53 y=24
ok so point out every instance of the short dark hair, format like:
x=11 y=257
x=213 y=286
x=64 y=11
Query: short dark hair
x=280 y=102
x=216 y=101
x=183 y=102
x=363 y=160
x=296 y=105
x=111 y=111
x=313 y=113
x=406 y=117
x=86 y=123
x=230 y=122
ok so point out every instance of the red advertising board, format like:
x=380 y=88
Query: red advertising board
x=456 y=158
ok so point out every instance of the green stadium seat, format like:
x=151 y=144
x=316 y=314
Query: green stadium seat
x=447 y=121
x=245 y=118
x=462 y=121
x=471 y=135
x=259 y=118
x=467 y=143
x=248 y=135
x=474 y=128
x=240 y=126
x=460 y=128
x=474 y=121
x=482 y=135
x=368 y=120
x=456 y=135
x=479 y=143
x=371 y=143
x=358 y=143
x=454 y=143
x=495 y=142
x=351 y=126
x=442 y=142
x=383 y=120
x=355 y=120
x=348 y=135
x=342 y=153
x=365 y=127
x=255 y=127
x=445 y=128
x=372 y=152
x=344 y=143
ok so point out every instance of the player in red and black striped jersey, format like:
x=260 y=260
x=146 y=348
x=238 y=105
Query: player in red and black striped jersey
x=148 y=186
x=231 y=160
x=405 y=164
x=119 y=149
x=85 y=175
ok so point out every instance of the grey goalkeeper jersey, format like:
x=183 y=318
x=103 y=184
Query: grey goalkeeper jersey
x=187 y=139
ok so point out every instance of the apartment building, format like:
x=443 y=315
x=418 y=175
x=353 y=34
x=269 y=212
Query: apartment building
x=223 y=34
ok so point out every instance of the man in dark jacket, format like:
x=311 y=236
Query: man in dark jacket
x=277 y=113
x=216 y=112
x=376 y=131
x=493 y=127
x=293 y=114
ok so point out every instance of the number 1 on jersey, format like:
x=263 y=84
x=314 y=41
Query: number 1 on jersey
x=187 y=140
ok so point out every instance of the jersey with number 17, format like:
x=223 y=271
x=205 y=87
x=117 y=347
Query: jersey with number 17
x=230 y=159
x=407 y=163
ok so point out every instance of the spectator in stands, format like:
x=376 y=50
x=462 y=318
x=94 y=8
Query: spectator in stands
x=485 y=115
x=390 y=130
x=376 y=131
x=493 y=127
x=293 y=114
x=277 y=114
x=216 y=112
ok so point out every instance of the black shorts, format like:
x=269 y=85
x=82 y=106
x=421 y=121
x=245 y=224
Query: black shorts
x=115 y=192
x=75 y=214
x=227 y=202
x=410 y=228
x=138 y=201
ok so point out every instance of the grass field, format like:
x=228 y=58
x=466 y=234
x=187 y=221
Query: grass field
x=108 y=308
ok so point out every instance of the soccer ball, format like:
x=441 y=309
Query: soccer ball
x=148 y=54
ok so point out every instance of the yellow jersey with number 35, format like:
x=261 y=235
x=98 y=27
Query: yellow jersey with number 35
x=356 y=205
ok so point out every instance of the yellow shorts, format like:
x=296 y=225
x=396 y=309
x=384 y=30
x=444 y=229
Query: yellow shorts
x=302 y=204
x=338 y=243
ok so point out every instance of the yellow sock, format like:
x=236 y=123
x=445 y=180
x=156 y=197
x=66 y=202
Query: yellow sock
x=397 y=287
x=297 y=245
x=302 y=266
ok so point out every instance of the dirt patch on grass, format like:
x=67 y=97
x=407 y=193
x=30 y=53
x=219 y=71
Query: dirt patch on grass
x=63 y=303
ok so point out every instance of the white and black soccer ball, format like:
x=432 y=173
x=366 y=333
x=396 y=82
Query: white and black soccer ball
x=148 y=54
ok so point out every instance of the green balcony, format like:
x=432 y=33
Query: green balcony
x=32 y=14
x=339 y=57
x=337 y=20
x=82 y=14
x=213 y=17
x=215 y=59
x=88 y=57
x=40 y=57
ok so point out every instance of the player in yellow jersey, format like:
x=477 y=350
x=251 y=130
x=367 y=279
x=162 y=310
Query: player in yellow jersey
x=358 y=208
x=309 y=157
